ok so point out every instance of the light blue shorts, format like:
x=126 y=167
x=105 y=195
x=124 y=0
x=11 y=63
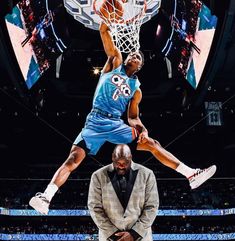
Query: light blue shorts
x=98 y=129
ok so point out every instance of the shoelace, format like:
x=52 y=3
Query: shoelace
x=198 y=171
x=41 y=196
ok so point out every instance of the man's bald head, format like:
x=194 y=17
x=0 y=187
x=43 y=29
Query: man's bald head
x=122 y=159
x=122 y=151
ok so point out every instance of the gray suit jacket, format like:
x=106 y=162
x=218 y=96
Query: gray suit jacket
x=107 y=211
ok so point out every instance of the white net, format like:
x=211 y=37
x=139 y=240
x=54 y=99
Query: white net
x=124 y=20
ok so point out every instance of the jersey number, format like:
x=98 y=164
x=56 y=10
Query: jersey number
x=122 y=87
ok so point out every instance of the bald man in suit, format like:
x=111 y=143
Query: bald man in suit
x=123 y=199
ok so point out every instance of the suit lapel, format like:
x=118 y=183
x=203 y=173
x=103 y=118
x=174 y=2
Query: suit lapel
x=130 y=185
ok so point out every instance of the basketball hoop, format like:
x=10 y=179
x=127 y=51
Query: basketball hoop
x=124 y=27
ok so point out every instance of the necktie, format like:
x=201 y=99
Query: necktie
x=123 y=184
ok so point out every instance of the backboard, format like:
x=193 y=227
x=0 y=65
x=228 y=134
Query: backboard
x=82 y=11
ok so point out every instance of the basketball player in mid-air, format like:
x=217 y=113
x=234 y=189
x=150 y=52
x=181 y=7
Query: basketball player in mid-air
x=117 y=90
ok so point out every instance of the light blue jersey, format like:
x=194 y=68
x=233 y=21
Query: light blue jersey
x=112 y=96
x=114 y=91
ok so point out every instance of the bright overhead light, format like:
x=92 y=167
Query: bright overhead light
x=96 y=70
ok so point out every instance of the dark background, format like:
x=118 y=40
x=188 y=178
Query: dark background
x=38 y=126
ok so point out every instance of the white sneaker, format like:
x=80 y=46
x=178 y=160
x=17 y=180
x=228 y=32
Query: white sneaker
x=40 y=203
x=200 y=176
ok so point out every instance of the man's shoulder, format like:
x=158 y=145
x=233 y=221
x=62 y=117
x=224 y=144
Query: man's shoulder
x=103 y=170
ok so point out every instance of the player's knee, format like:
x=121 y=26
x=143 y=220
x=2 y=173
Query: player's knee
x=150 y=145
x=77 y=154
x=155 y=146
x=157 y=143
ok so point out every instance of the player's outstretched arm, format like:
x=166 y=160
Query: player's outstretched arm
x=133 y=116
x=113 y=53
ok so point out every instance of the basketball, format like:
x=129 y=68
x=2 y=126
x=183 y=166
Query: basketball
x=111 y=10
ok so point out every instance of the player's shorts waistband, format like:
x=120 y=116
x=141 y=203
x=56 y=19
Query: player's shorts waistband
x=105 y=113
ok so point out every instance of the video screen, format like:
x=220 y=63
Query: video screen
x=185 y=33
x=36 y=37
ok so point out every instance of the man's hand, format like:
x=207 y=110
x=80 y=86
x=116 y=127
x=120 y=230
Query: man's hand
x=143 y=137
x=124 y=236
